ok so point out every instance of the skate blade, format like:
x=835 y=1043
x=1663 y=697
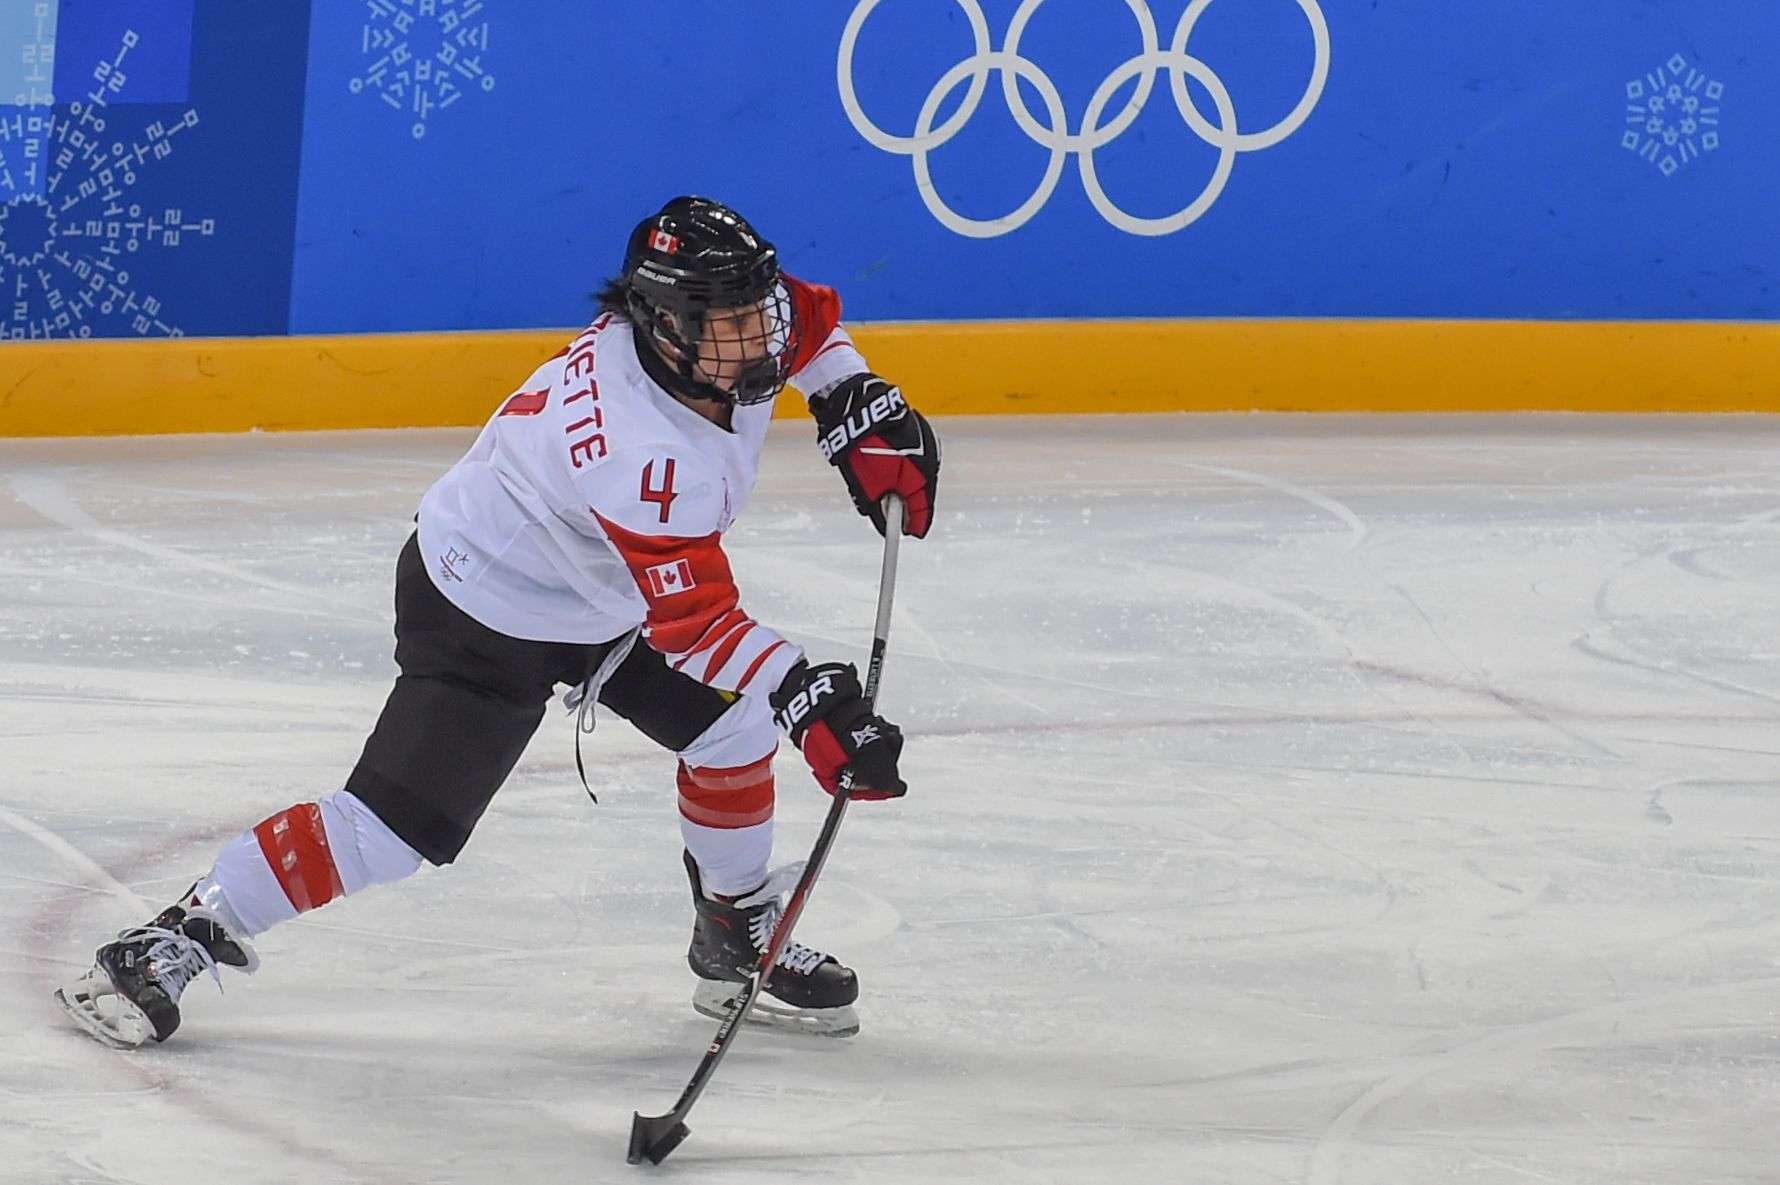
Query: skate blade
x=94 y=1005
x=714 y=998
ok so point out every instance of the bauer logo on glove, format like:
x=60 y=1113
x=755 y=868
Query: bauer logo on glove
x=823 y=710
x=800 y=705
x=881 y=445
x=857 y=424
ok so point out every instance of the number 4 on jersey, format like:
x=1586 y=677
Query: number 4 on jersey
x=660 y=495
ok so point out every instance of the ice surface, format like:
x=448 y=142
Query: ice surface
x=1380 y=801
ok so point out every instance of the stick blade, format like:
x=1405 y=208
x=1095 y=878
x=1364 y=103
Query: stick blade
x=652 y=1137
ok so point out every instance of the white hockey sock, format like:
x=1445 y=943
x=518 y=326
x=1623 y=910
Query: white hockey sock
x=302 y=858
x=733 y=861
x=726 y=798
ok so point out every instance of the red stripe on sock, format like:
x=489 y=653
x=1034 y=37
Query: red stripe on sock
x=727 y=798
x=295 y=844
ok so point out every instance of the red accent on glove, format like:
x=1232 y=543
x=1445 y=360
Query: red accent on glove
x=880 y=471
x=827 y=759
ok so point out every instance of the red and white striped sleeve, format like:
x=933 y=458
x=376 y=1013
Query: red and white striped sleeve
x=825 y=351
x=694 y=615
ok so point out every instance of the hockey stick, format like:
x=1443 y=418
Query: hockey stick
x=652 y=1137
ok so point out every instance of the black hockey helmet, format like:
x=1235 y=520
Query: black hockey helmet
x=688 y=259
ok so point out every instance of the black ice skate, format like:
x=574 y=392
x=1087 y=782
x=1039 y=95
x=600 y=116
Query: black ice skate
x=131 y=992
x=809 y=991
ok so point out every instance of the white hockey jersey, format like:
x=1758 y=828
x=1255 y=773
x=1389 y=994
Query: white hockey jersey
x=594 y=502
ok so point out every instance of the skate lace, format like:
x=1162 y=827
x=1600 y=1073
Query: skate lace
x=794 y=956
x=174 y=958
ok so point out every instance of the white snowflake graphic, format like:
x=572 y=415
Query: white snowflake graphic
x=428 y=54
x=1670 y=121
x=64 y=255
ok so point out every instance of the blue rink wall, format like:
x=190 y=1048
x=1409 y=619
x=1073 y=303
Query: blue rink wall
x=1274 y=194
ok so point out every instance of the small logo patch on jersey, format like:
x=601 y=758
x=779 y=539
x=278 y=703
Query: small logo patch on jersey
x=449 y=563
x=668 y=579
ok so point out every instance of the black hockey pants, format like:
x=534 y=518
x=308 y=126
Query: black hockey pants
x=468 y=700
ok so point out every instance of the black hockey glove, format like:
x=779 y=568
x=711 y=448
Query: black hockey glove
x=882 y=446
x=823 y=711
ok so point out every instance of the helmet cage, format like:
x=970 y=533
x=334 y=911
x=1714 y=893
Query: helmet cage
x=696 y=259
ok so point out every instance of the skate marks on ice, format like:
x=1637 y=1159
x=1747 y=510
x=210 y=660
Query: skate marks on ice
x=66 y=1079
x=1266 y=826
x=1471 y=678
x=1639 y=1023
x=1611 y=638
x=77 y=860
x=50 y=497
x=1342 y=513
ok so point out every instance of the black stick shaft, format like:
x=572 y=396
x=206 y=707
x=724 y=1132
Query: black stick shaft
x=653 y=1137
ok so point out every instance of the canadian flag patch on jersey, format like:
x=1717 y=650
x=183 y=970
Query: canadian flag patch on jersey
x=667 y=579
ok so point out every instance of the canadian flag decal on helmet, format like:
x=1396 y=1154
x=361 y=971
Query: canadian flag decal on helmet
x=661 y=240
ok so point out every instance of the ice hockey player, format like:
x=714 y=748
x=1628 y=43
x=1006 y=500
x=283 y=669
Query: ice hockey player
x=579 y=542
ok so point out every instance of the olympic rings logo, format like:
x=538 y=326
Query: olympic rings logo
x=1054 y=134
